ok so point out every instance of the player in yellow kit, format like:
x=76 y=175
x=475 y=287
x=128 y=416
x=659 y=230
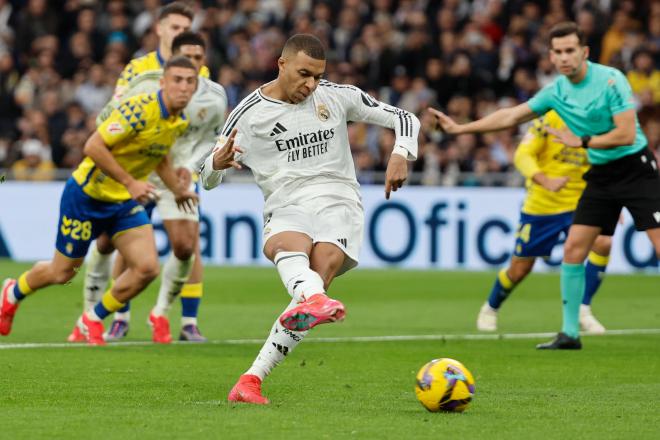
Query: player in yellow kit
x=106 y=195
x=554 y=186
x=173 y=19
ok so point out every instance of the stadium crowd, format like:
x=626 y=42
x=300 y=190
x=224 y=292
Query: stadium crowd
x=59 y=61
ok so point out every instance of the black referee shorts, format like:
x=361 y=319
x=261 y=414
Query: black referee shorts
x=631 y=182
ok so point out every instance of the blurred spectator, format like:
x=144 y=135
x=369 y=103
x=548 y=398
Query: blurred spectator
x=35 y=20
x=645 y=78
x=9 y=110
x=58 y=67
x=35 y=163
x=95 y=92
x=614 y=37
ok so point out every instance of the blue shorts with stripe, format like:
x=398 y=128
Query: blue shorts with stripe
x=538 y=234
x=83 y=218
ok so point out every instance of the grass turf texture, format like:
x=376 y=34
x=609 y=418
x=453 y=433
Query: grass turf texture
x=360 y=390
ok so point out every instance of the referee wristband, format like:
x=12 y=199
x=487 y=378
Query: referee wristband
x=585 y=141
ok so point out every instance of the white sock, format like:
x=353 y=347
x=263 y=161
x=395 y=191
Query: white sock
x=97 y=275
x=280 y=343
x=122 y=316
x=187 y=320
x=300 y=281
x=91 y=315
x=175 y=274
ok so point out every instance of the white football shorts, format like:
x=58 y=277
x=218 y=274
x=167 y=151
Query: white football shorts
x=168 y=209
x=324 y=219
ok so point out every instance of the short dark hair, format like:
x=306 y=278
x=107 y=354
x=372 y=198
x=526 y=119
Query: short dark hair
x=187 y=38
x=176 y=8
x=307 y=43
x=179 y=61
x=566 y=28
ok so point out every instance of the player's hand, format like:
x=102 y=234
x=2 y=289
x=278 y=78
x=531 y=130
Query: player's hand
x=223 y=156
x=565 y=136
x=396 y=174
x=186 y=200
x=185 y=176
x=445 y=123
x=142 y=192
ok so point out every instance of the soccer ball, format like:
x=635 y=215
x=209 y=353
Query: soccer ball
x=444 y=385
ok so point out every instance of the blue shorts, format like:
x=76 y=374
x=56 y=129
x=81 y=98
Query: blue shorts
x=538 y=234
x=83 y=218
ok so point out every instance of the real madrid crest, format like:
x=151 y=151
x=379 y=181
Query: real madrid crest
x=322 y=112
x=201 y=114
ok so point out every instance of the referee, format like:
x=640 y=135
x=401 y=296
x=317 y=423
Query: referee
x=596 y=103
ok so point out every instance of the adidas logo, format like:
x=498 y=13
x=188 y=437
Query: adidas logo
x=279 y=128
x=656 y=216
x=343 y=241
x=281 y=348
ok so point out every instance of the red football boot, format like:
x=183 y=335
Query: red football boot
x=160 y=328
x=318 y=309
x=7 y=309
x=248 y=390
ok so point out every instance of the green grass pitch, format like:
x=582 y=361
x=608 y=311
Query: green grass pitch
x=361 y=390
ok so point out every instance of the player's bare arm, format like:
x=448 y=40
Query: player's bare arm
x=224 y=156
x=98 y=151
x=499 y=120
x=622 y=134
x=184 y=175
x=185 y=199
x=553 y=184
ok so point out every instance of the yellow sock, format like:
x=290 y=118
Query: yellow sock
x=22 y=289
x=192 y=290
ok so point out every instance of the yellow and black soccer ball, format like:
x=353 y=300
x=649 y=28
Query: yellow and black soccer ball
x=444 y=385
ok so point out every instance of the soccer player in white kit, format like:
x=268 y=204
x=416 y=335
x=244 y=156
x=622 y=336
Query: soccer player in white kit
x=292 y=134
x=182 y=273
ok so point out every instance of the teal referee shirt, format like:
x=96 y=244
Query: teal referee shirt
x=588 y=106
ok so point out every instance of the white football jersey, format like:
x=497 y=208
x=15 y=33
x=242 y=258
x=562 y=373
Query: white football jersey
x=298 y=150
x=206 y=112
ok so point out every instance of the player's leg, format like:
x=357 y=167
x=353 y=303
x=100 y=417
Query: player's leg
x=506 y=281
x=98 y=266
x=76 y=229
x=597 y=214
x=132 y=236
x=326 y=259
x=654 y=236
x=191 y=297
x=578 y=243
x=121 y=322
x=306 y=269
x=59 y=270
x=594 y=273
x=183 y=235
x=290 y=253
x=536 y=236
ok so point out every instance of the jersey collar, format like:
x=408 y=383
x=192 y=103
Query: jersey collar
x=161 y=104
x=159 y=58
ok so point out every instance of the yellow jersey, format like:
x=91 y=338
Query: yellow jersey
x=137 y=66
x=539 y=151
x=139 y=133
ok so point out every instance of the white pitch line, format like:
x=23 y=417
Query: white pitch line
x=394 y=338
